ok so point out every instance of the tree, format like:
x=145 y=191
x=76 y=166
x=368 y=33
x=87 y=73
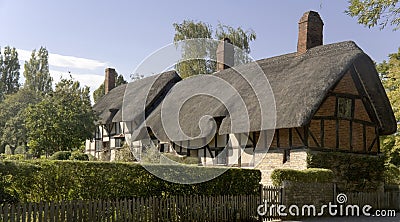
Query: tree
x=62 y=121
x=9 y=71
x=206 y=54
x=390 y=75
x=99 y=92
x=12 y=117
x=36 y=72
x=375 y=12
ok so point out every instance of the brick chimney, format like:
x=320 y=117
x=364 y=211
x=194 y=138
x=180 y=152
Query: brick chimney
x=225 y=52
x=109 y=82
x=310 y=31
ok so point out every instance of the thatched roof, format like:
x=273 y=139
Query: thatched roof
x=144 y=95
x=108 y=105
x=299 y=85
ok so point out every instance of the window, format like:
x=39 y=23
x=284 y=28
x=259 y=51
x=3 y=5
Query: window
x=221 y=156
x=98 y=145
x=119 y=142
x=162 y=147
x=286 y=155
x=344 y=108
x=117 y=128
x=98 y=133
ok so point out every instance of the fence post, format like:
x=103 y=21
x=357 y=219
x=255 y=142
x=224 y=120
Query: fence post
x=260 y=218
x=334 y=193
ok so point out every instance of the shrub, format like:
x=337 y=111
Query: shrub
x=182 y=159
x=392 y=174
x=150 y=154
x=49 y=180
x=61 y=155
x=353 y=172
x=12 y=157
x=77 y=155
x=311 y=175
x=91 y=157
x=124 y=154
x=8 y=150
x=20 y=150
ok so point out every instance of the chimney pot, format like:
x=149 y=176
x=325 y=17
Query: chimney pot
x=225 y=53
x=310 y=31
x=109 y=82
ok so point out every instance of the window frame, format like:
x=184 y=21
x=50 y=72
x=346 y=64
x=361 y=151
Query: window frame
x=348 y=110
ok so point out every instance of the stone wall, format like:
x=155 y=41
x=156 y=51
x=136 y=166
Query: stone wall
x=316 y=194
x=296 y=159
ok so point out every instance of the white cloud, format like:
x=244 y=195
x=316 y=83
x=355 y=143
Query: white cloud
x=71 y=62
x=86 y=71
x=91 y=80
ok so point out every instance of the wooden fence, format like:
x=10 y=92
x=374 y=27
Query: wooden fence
x=177 y=208
x=377 y=200
x=271 y=196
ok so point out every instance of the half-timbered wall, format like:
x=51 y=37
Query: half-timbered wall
x=289 y=138
x=332 y=127
x=106 y=140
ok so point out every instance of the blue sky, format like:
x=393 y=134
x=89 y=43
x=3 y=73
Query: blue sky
x=87 y=36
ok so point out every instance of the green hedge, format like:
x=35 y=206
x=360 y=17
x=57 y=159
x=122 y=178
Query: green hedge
x=12 y=157
x=353 y=172
x=311 y=175
x=48 y=180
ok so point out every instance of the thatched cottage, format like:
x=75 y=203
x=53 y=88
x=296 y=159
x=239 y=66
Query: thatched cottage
x=327 y=98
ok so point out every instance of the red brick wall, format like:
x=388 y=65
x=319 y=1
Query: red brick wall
x=284 y=138
x=345 y=86
x=360 y=111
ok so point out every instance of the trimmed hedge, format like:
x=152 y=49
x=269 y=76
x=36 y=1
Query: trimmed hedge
x=311 y=175
x=12 y=157
x=48 y=180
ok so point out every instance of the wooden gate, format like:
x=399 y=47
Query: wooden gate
x=271 y=197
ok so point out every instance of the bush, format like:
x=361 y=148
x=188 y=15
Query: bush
x=49 y=180
x=61 y=155
x=150 y=154
x=182 y=159
x=311 y=175
x=12 y=157
x=392 y=174
x=124 y=154
x=77 y=155
x=8 y=150
x=20 y=150
x=91 y=157
x=353 y=172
